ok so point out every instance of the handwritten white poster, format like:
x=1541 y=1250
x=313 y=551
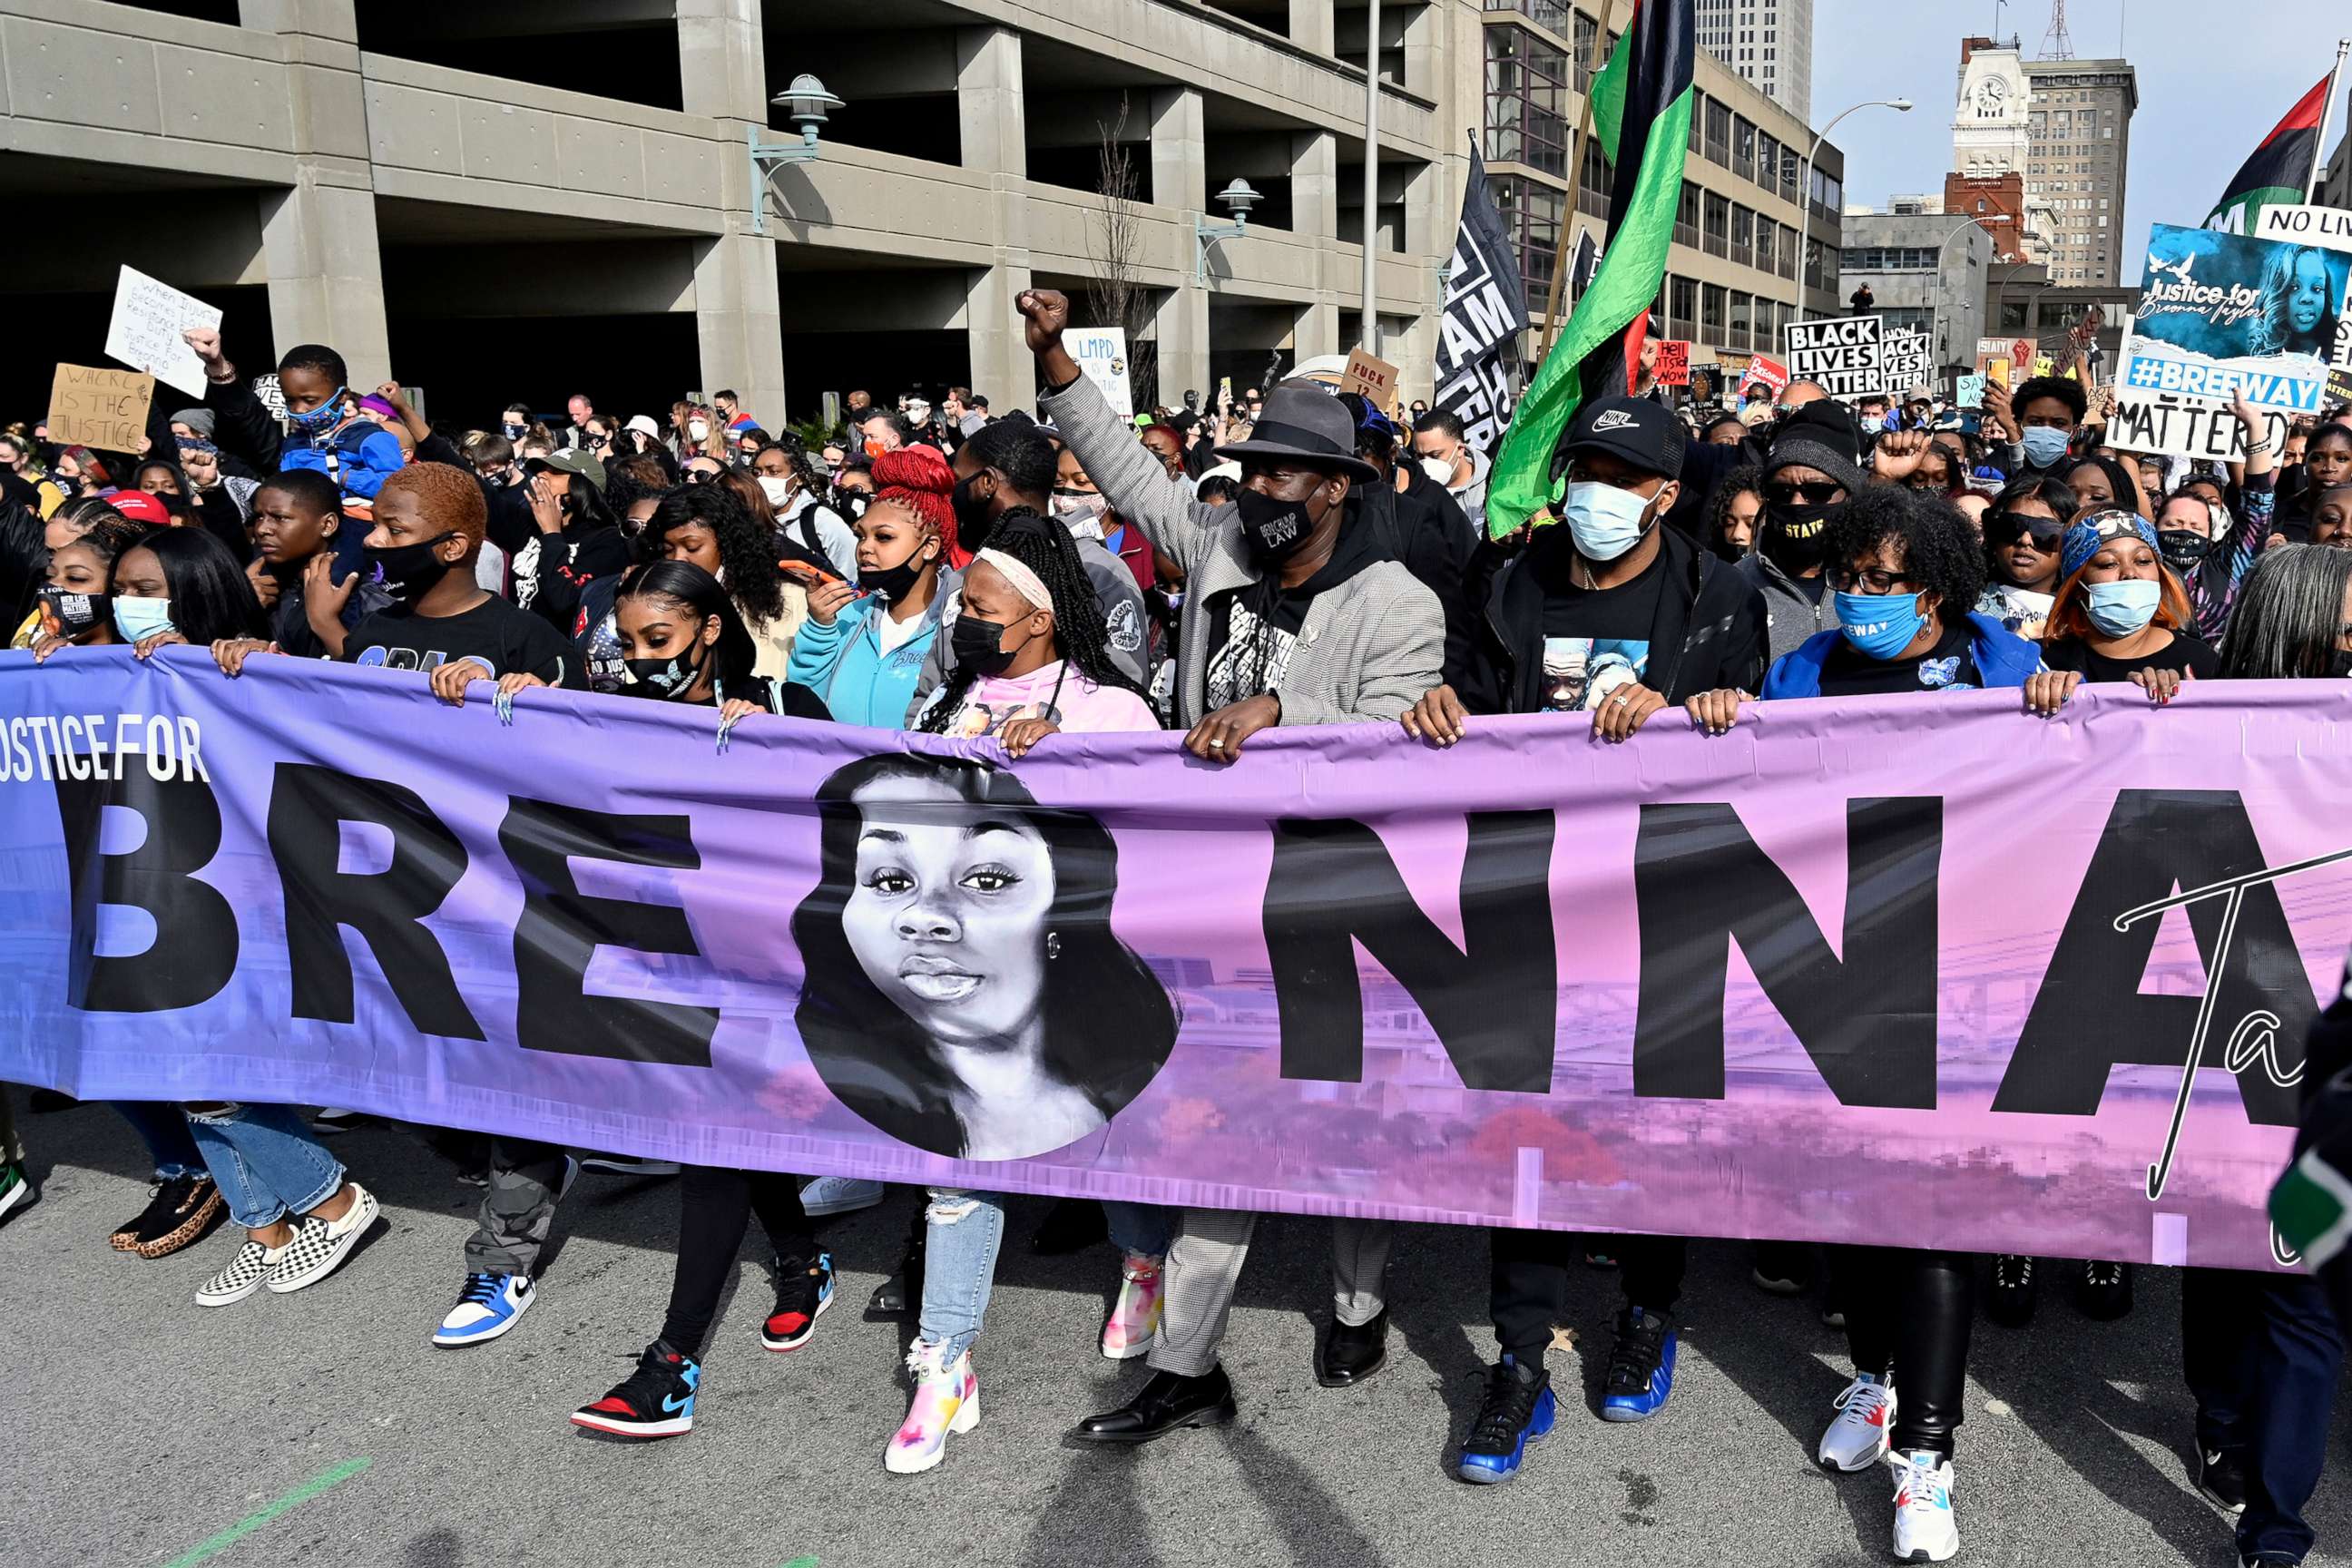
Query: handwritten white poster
x=145 y=333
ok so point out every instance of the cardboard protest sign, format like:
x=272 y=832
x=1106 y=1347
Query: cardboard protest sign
x=1674 y=361
x=1971 y=393
x=1768 y=373
x=2184 y=428
x=2330 y=228
x=1855 y=356
x=90 y=406
x=2221 y=315
x=1101 y=353
x=1373 y=380
x=144 y=331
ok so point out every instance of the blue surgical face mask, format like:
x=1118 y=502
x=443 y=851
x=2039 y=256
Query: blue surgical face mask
x=2044 y=445
x=1879 y=625
x=2119 y=609
x=1873 y=424
x=1605 y=520
x=138 y=619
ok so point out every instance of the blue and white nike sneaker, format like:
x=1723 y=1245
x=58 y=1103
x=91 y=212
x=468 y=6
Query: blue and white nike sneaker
x=1925 y=1530
x=1519 y=1410
x=1640 y=1366
x=658 y=1400
x=488 y=1307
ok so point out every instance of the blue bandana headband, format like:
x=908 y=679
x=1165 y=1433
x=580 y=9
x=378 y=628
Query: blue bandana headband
x=2082 y=540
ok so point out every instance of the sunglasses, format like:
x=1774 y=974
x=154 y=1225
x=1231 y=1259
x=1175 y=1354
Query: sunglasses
x=1821 y=492
x=699 y=476
x=2006 y=526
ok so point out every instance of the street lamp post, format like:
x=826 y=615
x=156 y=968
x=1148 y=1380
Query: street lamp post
x=1805 y=187
x=1943 y=343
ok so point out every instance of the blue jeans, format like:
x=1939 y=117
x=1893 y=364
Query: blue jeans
x=268 y=1162
x=2262 y=1353
x=164 y=1129
x=961 y=1234
x=1142 y=1228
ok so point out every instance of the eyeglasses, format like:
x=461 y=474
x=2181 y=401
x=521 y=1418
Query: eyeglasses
x=1818 y=492
x=1870 y=580
x=2006 y=526
x=699 y=476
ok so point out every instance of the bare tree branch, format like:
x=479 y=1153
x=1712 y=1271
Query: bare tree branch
x=1116 y=296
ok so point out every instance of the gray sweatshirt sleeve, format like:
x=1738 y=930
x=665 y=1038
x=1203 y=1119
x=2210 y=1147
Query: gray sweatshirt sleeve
x=1140 y=490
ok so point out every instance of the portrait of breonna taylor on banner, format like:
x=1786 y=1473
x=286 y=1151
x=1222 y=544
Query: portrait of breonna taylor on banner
x=965 y=992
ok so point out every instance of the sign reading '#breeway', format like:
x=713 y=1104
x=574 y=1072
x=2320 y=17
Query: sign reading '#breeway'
x=1349 y=975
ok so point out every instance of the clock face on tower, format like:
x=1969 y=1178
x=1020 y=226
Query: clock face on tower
x=1992 y=94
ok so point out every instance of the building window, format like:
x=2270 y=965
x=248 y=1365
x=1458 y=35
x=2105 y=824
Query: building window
x=1682 y=307
x=1687 y=216
x=1592 y=186
x=1532 y=214
x=1743 y=310
x=1710 y=314
x=1552 y=14
x=1526 y=101
x=1718 y=132
x=1743 y=235
x=1717 y=211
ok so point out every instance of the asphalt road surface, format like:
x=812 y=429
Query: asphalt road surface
x=321 y=1428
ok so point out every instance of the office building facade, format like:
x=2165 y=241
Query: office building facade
x=1927 y=272
x=525 y=200
x=1741 y=266
x=1768 y=43
x=2079 y=130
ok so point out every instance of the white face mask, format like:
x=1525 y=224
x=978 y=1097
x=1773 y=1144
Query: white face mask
x=777 y=489
x=1438 y=468
x=698 y=428
x=1605 y=520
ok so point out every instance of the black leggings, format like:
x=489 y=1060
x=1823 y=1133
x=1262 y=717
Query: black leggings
x=715 y=1210
x=1909 y=1313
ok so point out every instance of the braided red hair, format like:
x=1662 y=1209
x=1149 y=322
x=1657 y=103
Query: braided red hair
x=919 y=479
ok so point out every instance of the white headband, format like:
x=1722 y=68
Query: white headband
x=1025 y=583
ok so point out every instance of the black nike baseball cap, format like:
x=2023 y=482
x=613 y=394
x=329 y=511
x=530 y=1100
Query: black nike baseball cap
x=1638 y=431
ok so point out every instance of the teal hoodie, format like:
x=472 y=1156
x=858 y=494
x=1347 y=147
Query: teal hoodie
x=844 y=665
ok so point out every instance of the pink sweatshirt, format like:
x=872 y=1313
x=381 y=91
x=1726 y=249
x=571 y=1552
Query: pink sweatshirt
x=1081 y=707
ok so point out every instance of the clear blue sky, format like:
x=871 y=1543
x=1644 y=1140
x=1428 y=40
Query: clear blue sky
x=2207 y=91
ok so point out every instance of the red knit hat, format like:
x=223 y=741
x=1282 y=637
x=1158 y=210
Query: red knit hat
x=919 y=479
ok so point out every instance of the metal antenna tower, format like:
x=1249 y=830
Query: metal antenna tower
x=2057 y=43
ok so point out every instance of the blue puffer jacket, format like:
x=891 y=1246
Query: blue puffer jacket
x=357 y=455
x=2002 y=658
x=844 y=665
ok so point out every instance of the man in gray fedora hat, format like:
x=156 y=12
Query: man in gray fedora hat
x=1297 y=610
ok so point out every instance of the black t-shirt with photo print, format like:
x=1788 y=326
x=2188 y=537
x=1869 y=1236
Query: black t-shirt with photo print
x=1595 y=639
x=502 y=639
x=1950 y=666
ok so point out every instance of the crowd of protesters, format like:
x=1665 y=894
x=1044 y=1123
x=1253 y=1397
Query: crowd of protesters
x=1285 y=557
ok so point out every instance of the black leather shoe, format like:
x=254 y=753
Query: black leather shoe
x=1351 y=1355
x=1163 y=1405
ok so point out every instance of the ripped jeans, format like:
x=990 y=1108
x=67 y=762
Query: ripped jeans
x=961 y=1234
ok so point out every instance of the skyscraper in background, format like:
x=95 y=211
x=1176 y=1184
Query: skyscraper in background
x=1769 y=43
x=2078 y=127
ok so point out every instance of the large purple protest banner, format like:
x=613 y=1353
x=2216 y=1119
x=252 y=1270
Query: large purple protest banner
x=1904 y=971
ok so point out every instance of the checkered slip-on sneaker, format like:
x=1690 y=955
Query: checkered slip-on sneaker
x=242 y=1278
x=319 y=1246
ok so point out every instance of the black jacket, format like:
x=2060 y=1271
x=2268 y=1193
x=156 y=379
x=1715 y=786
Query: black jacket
x=1710 y=631
x=1433 y=544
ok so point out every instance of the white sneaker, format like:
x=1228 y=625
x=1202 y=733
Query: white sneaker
x=241 y=1277
x=488 y=1307
x=1856 y=1439
x=839 y=1194
x=319 y=1246
x=1925 y=1530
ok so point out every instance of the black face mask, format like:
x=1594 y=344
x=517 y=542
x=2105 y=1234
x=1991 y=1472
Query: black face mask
x=667 y=679
x=2184 y=549
x=892 y=584
x=1795 y=537
x=73 y=615
x=980 y=644
x=972 y=521
x=1272 y=530
x=2340 y=664
x=409 y=571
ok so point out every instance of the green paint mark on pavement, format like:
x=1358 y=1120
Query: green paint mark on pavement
x=323 y=1482
x=801 y=1562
